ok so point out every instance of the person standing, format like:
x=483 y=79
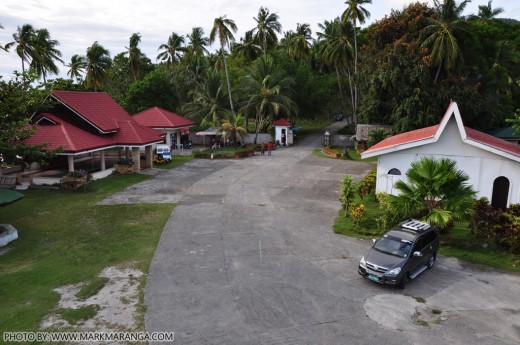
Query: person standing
x=269 y=148
x=262 y=150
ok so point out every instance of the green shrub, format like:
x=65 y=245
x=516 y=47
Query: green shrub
x=368 y=184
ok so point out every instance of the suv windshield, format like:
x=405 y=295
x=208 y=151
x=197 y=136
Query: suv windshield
x=393 y=246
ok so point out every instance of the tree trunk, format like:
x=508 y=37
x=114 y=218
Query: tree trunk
x=437 y=74
x=228 y=84
x=342 y=98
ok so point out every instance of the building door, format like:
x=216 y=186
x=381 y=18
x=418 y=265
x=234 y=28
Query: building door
x=500 y=192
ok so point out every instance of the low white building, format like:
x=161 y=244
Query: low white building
x=282 y=132
x=493 y=164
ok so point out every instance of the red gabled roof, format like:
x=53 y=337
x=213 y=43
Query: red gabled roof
x=404 y=138
x=281 y=122
x=97 y=108
x=431 y=134
x=159 y=118
x=492 y=141
x=132 y=133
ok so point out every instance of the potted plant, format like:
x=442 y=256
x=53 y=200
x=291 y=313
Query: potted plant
x=125 y=166
x=75 y=179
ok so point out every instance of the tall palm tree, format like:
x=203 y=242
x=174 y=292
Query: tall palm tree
x=267 y=25
x=436 y=191
x=486 y=13
x=172 y=50
x=209 y=104
x=300 y=41
x=269 y=91
x=448 y=10
x=247 y=47
x=354 y=13
x=98 y=62
x=23 y=39
x=45 y=54
x=337 y=51
x=134 y=54
x=224 y=28
x=76 y=66
x=197 y=42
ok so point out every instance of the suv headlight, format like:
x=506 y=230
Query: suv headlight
x=362 y=262
x=393 y=272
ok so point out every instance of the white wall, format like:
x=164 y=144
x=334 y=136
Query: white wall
x=483 y=167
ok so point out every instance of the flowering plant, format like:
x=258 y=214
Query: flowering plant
x=126 y=161
x=80 y=173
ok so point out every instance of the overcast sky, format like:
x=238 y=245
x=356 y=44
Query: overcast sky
x=77 y=24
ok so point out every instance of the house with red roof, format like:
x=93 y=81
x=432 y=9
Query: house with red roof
x=493 y=164
x=86 y=124
x=173 y=125
x=282 y=132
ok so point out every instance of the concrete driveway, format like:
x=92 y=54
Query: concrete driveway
x=248 y=257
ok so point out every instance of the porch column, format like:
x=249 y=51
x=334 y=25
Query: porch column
x=149 y=156
x=178 y=136
x=70 y=159
x=102 y=160
x=127 y=152
x=169 y=138
x=136 y=158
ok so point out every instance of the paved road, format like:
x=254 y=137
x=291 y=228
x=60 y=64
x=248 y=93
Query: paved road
x=248 y=257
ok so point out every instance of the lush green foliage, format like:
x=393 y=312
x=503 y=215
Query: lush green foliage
x=347 y=193
x=367 y=185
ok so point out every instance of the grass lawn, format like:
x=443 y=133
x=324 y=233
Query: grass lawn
x=351 y=152
x=458 y=242
x=65 y=238
x=176 y=161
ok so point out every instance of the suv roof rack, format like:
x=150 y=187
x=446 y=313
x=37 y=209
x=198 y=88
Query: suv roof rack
x=415 y=225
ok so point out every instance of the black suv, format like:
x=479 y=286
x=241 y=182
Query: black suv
x=401 y=254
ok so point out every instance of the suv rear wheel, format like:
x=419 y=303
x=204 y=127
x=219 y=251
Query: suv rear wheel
x=405 y=279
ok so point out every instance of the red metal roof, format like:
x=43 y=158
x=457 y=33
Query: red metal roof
x=159 y=118
x=405 y=138
x=97 y=108
x=418 y=135
x=112 y=125
x=281 y=122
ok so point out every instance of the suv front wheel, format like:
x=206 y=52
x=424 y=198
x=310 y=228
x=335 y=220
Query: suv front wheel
x=432 y=261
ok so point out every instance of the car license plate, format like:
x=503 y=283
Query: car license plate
x=373 y=278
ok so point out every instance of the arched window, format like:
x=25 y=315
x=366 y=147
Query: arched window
x=500 y=192
x=394 y=171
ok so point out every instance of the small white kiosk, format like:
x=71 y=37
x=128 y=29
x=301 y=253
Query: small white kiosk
x=283 y=133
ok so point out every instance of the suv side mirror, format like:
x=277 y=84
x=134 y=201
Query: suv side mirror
x=419 y=254
x=374 y=240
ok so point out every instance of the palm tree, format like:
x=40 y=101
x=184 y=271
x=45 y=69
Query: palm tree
x=224 y=28
x=197 y=42
x=134 y=54
x=98 y=62
x=232 y=129
x=209 y=104
x=487 y=13
x=76 y=66
x=247 y=48
x=45 y=54
x=354 y=13
x=269 y=94
x=2 y=47
x=336 y=50
x=23 y=39
x=448 y=10
x=436 y=191
x=172 y=50
x=267 y=25
x=440 y=37
x=298 y=44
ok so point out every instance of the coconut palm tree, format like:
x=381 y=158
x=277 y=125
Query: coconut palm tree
x=267 y=25
x=247 y=47
x=76 y=66
x=486 y=13
x=197 y=42
x=23 y=39
x=436 y=191
x=299 y=42
x=98 y=62
x=172 y=50
x=448 y=10
x=336 y=49
x=45 y=54
x=209 y=104
x=232 y=129
x=224 y=28
x=268 y=90
x=134 y=55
